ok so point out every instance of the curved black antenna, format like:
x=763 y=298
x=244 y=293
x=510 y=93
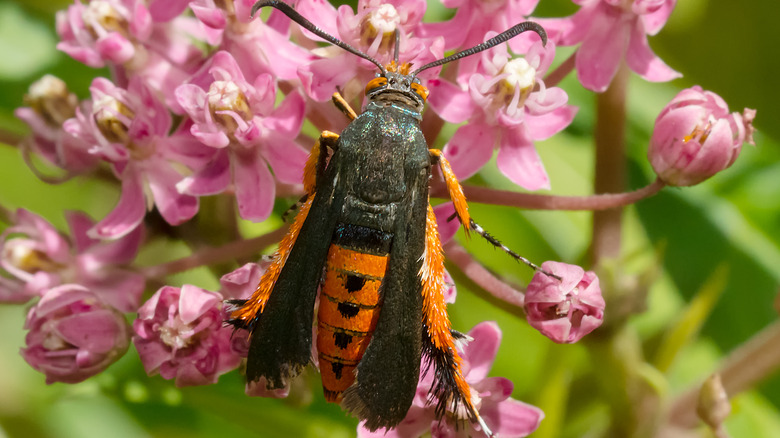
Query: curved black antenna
x=308 y=25
x=510 y=33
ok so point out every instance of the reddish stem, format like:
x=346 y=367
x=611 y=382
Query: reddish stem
x=610 y=132
x=552 y=202
x=210 y=256
x=557 y=75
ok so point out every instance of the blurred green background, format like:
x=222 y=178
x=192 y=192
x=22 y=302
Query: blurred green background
x=726 y=231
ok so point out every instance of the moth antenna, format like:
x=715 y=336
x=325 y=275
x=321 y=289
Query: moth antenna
x=498 y=39
x=495 y=242
x=308 y=25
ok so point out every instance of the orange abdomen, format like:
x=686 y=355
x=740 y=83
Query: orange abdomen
x=349 y=308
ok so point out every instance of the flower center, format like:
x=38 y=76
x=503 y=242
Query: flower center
x=50 y=98
x=520 y=74
x=103 y=14
x=380 y=23
x=226 y=103
x=176 y=335
x=113 y=119
x=699 y=134
x=27 y=258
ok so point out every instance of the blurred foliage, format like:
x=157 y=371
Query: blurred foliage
x=730 y=225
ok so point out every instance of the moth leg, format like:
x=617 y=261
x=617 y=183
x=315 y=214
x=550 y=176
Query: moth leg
x=453 y=187
x=462 y=211
x=318 y=160
x=449 y=385
x=313 y=170
x=343 y=106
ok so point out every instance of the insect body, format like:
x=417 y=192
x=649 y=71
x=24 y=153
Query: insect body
x=366 y=237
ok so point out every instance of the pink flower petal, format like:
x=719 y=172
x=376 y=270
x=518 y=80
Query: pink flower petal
x=482 y=350
x=254 y=184
x=94 y=331
x=287 y=119
x=79 y=224
x=194 y=302
x=212 y=179
x=127 y=215
x=545 y=126
x=323 y=76
x=116 y=48
x=512 y=418
x=449 y=101
x=654 y=21
x=470 y=148
x=287 y=159
x=173 y=206
x=641 y=59
x=447 y=227
x=210 y=16
x=602 y=50
x=517 y=160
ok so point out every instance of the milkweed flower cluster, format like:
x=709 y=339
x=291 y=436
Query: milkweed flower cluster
x=204 y=100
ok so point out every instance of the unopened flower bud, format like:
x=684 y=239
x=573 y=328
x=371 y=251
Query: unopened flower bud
x=713 y=406
x=73 y=335
x=564 y=310
x=696 y=137
x=50 y=98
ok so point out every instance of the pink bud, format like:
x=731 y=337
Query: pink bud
x=696 y=137
x=73 y=335
x=564 y=310
x=179 y=335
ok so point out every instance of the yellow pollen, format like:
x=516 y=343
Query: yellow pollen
x=103 y=13
x=50 y=98
x=227 y=96
x=107 y=111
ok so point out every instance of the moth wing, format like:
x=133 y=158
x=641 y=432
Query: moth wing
x=387 y=376
x=282 y=337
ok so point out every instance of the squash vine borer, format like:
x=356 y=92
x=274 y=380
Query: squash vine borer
x=366 y=237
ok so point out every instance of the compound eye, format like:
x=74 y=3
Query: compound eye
x=375 y=83
x=420 y=90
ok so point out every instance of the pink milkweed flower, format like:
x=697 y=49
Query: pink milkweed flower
x=258 y=47
x=237 y=118
x=73 y=334
x=609 y=31
x=505 y=416
x=508 y=107
x=129 y=128
x=50 y=104
x=370 y=30
x=564 y=310
x=34 y=252
x=696 y=137
x=473 y=19
x=179 y=334
x=124 y=34
x=37 y=255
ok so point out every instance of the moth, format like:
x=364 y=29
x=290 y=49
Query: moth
x=365 y=238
